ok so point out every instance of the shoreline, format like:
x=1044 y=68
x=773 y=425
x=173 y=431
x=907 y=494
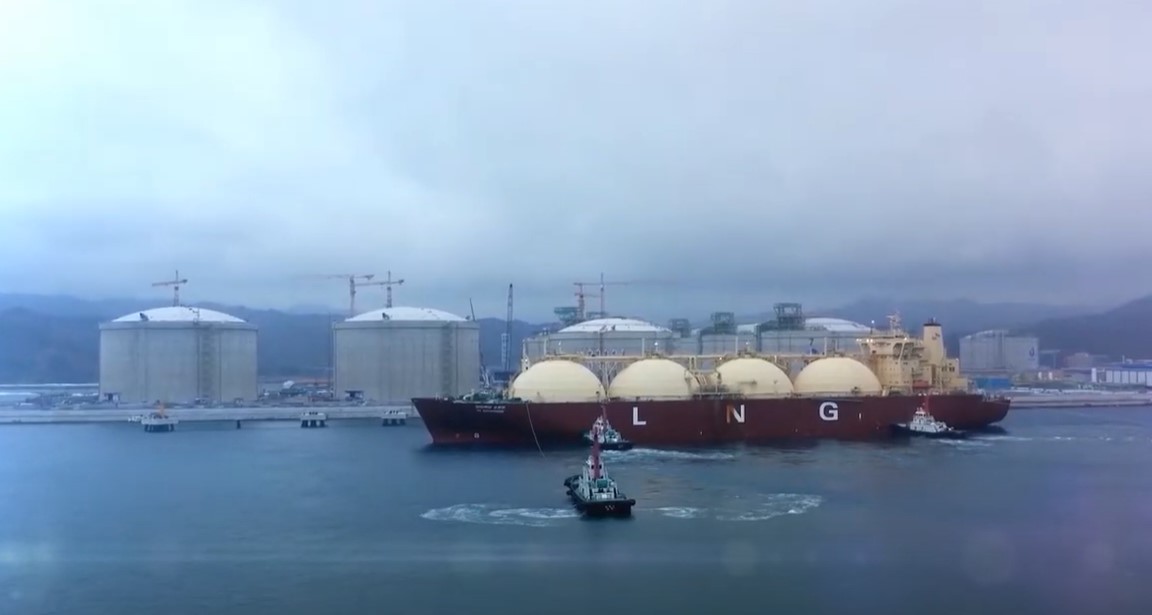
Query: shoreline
x=1080 y=401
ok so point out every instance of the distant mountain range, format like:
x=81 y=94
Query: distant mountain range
x=1124 y=331
x=55 y=338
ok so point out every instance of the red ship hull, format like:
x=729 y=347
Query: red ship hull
x=696 y=421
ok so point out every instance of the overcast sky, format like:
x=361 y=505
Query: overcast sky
x=723 y=154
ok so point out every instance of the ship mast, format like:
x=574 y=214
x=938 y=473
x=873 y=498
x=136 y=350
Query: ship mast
x=594 y=458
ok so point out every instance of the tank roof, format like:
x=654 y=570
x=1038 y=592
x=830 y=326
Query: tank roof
x=835 y=325
x=407 y=314
x=598 y=325
x=988 y=333
x=178 y=313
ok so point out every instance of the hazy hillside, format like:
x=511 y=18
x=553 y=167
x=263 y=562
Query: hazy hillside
x=1125 y=331
x=56 y=338
x=39 y=347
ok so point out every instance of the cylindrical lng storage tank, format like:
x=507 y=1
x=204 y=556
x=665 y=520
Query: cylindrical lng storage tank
x=178 y=354
x=602 y=336
x=391 y=355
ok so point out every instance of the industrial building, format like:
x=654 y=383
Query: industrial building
x=393 y=354
x=999 y=351
x=789 y=333
x=178 y=354
x=1130 y=373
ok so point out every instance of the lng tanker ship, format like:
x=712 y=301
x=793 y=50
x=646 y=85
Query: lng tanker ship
x=746 y=397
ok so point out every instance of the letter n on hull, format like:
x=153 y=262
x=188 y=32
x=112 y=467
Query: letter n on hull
x=735 y=413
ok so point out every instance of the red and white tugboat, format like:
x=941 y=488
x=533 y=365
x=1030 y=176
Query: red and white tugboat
x=610 y=439
x=593 y=492
x=925 y=425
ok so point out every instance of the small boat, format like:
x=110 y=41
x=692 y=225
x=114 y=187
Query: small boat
x=610 y=439
x=593 y=492
x=924 y=425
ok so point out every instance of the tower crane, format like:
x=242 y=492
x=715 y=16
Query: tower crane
x=354 y=280
x=176 y=282
x=387 y=283
x=357 y=280
x=582 y=295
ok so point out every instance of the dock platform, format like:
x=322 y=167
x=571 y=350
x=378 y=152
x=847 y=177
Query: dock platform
x=393 y=418
x=17 y=416
x=312 y=420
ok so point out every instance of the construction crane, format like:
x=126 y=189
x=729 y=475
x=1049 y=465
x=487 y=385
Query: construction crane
x=176 y=282
x=506 y=337
x=582 y=295
x=354 y=281
x=387 y=283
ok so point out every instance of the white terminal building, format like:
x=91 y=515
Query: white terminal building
x=391 y=355
x=178 y=355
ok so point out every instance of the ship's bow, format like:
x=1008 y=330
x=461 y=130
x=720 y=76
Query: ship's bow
x=469 y=423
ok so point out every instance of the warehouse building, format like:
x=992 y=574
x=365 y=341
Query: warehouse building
x=1129 y=373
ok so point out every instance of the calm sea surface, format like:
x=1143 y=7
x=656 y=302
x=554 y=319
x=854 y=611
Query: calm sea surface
x=1053 y=517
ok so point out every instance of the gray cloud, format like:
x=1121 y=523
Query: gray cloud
x=737 y=152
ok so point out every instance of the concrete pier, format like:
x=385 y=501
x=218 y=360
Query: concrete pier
x=159 y=424
x=13 y=416
x=393 y=418
x=310 y=420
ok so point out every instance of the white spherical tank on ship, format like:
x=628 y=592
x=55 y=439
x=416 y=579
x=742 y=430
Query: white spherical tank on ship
x=557 y=380
x=753 y=377
x=837 y=376
x=654 y=379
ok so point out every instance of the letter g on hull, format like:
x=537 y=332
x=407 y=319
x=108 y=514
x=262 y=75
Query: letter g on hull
x=829 y=411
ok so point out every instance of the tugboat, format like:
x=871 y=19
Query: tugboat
x=923 y=424
x=593 y=493
x=610 y=439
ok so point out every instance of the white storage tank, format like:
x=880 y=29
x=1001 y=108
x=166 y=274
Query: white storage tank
x=837 y=376
x=603 y=336
x=654 y=379
x=393 y=354
x=753 y=377
x=178 y=354
x=557 y=381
